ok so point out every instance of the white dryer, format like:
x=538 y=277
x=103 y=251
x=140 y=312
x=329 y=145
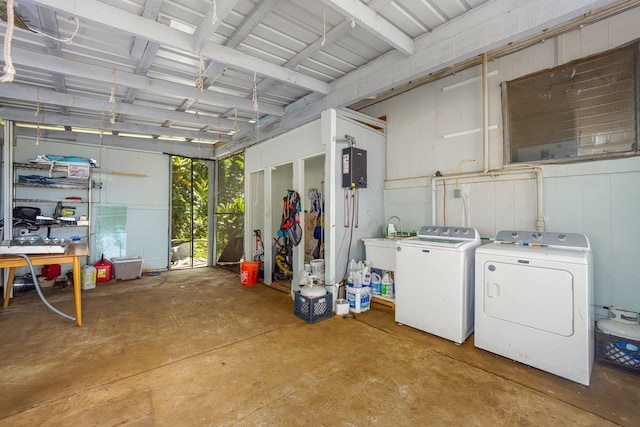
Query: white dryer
x=534 y=301
x=434 y=281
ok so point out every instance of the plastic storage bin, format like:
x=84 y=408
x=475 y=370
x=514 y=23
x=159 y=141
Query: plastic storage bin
x=127 y=268
x=313 y=309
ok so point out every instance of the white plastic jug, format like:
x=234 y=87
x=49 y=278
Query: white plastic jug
x=387 y=285
x=88 y=277
x=366 y=276
x=376 y=283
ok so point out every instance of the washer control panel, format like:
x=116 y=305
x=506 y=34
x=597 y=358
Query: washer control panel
x=543 y=239
x=448 y=232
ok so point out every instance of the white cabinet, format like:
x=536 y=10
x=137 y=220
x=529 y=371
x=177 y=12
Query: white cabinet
x=381 y=254
x=52 y=201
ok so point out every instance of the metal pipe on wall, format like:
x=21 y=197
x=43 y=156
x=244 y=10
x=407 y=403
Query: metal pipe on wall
x=485 y=114
x=537 y=170
x=540 y=221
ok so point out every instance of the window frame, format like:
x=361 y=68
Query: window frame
x=633 y=151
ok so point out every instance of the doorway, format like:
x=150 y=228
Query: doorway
x=189 y=213
x=229 y=212
x=281 y=182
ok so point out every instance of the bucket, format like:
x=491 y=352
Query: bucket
x=249 y=273
x=317 y=266
x=359 y=299
x=342 y=307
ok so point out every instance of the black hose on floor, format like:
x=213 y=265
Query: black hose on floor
x=40 y=294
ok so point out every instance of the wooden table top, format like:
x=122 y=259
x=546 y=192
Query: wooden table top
x=74 y=250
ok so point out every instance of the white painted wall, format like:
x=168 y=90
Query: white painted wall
x=323 y=138
x=437 y=126
x=146 y=199
x=345 y=242
x=264 y=160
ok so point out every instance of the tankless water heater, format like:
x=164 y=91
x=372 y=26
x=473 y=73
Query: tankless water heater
x=354 y=168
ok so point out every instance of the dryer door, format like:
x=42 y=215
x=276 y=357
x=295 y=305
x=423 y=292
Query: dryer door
x=536 y=297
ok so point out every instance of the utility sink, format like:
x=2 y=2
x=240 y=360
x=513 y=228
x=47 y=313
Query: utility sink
x=381 y=252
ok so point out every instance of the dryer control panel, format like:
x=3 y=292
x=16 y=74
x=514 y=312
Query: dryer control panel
x=544 y=239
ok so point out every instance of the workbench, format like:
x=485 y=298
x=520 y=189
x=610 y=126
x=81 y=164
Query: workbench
x=72 y=255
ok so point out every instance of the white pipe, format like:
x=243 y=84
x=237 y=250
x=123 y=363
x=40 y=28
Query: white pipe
x=433 y=200
x=485 y=114
x=540 y=221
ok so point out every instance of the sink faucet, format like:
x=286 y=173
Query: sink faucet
x=391 y=232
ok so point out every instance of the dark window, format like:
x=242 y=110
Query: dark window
x=584 y=109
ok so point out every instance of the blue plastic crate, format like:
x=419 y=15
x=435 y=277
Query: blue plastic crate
x=313 y=309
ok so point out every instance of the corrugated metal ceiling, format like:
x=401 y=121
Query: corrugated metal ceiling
x=257 y=59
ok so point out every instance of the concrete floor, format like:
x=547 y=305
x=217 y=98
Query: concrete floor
x=194 y=347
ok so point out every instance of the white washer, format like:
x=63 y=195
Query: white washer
x=434 y=281
x=534 y=295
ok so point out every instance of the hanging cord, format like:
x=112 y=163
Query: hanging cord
x=324 y=26
x=9 y=69
x=38 y=119
x=353 y=18
x=199 y=84
x=255 y=93
x=235 y=120
x=40 y=294
x=214 y=15
x=255 y=105
x=66 y=40
x=112 y=98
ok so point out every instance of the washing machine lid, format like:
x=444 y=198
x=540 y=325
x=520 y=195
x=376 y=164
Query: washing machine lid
x=444 y=237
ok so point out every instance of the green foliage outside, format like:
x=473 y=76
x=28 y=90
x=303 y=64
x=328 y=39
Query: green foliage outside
x=190 y=198
x=190 y=202
x=230 y=206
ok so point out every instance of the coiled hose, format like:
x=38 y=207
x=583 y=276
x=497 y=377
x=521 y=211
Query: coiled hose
x=40 y=294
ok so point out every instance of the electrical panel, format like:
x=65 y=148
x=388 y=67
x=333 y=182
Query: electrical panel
x=354 y=168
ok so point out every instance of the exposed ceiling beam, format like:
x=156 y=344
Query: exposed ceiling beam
x=100 y=106
x=184 y=149
x=44 y=20
x=130 y=80
x=217 y=12
x=143 y=50
x=361 y=14
x=103 y=14
x=151 y=11
x=45 y=118
x=214 y=70
x=331 y=35
x=493 y=25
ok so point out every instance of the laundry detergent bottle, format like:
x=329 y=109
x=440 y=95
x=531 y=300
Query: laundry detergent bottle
x=386 y=288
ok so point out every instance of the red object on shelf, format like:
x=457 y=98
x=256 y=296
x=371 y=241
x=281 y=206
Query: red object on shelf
x=103 y=270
